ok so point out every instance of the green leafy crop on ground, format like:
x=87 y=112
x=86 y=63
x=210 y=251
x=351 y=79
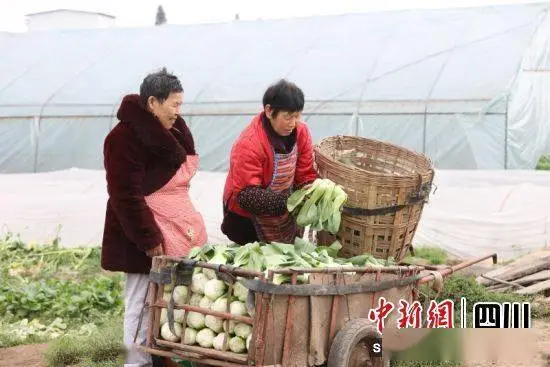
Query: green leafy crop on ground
x=47 y=291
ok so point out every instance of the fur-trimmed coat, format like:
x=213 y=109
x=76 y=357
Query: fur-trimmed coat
x=140 y=157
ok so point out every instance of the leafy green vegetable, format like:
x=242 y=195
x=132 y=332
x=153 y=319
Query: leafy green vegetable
x=295 y=199
x=303 y=246
x=47 y=291
x=249 y=257
x=318 y=206
x=326 y=204
x=332 y=250
x=339 y=198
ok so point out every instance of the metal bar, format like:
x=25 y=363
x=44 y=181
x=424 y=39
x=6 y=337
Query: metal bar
x=333 y=313
x=425 y=131
x=506 y=133
x=192 y=357
x=449 y=270
x=36 y=126
x=249 y=114
x=426 y=267
x=536 y=70
x=369 y=269
x=226 y=356
x=287 y=341
x=204 y=311
x=502 y=281
x=223 y=268
x=354 y=101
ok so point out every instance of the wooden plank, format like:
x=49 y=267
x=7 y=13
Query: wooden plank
x=211 y=353
x=513 y=284
x=494 y=273
x=519 y=271
x=535 y=288
x=496 y=287
x=537 y=277
x=504 y=289
x=499 y=288
x=526 y=261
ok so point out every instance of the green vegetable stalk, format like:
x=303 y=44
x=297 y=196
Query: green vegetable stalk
x=318 y=206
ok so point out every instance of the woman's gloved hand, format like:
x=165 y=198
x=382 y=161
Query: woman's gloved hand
x=260 y=201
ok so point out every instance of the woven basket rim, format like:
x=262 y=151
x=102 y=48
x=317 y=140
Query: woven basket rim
x=379 y=174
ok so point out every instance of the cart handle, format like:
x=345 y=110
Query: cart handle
x=446 y=271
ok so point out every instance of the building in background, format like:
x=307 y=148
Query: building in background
x=68 y=19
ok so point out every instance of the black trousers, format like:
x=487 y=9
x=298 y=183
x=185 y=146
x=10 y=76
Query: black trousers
x=238 y=229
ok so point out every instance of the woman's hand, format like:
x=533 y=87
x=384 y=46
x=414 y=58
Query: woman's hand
x=155 y=251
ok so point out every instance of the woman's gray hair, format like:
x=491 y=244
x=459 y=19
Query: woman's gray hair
x=160 y=85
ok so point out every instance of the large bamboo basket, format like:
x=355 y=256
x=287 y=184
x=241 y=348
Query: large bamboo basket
x=387 y=187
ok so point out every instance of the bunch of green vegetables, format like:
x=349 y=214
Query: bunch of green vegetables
x=262 y=257
x=318 y=206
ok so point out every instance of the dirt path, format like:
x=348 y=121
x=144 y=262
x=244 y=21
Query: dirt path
x=23 y=356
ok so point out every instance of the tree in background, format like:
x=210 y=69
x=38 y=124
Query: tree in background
x=544 y=163
x=161 y=16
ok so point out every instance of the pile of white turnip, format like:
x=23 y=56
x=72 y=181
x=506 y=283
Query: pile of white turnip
x=207 y=331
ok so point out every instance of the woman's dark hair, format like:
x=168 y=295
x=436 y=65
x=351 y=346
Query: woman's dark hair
x=284 y=96
x=160 y=85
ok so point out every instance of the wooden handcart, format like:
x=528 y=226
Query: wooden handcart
x=323 y=323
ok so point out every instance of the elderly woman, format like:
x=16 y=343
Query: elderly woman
x=150 y=160
x=271 y=157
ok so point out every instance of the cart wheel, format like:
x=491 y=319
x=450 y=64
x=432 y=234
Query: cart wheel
x=352 y=346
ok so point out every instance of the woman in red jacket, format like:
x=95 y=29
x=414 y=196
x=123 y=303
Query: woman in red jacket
x=272 y=157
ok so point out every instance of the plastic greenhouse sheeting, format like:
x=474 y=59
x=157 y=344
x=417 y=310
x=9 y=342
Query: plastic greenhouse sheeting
x=472 y=213
x=467 y=86
x=17 y=145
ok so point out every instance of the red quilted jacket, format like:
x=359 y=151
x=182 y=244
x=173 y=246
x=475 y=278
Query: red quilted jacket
x=251 y=162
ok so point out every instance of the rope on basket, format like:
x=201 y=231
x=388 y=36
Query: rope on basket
x=421 y=196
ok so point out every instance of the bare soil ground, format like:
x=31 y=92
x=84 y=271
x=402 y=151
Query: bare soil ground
x=31 y=355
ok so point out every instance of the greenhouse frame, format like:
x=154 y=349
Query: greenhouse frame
x=469 y=87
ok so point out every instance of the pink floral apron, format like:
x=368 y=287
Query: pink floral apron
x=280 y=228
x=181 y=225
